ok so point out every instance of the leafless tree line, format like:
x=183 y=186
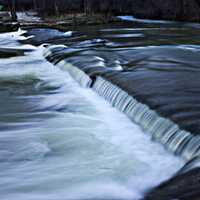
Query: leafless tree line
x=158 y=9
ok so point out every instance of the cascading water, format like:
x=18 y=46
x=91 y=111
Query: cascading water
x=77 y=74
x=61 y=141
x=179 y=139
x=161 y=129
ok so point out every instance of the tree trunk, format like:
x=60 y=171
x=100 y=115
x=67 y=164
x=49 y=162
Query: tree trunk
x=12 y=8
x=56 y=9
x=35 y=5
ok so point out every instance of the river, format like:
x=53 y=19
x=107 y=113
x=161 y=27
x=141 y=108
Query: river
x=61 y=141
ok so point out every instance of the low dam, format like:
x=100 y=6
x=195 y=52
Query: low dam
x=102 y=112
x=159 y=92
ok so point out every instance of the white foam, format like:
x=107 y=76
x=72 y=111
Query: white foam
x=14 y=34
x=68 y=33
x=12 y=38
x=88 y=150
x=127 y=152
x=28 y=17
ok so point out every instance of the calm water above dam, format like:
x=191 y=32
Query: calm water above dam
x=61 y=141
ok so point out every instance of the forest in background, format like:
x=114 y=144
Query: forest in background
x=183 y=10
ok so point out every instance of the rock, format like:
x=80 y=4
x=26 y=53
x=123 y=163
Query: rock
x=181 y=187
x=8 y=26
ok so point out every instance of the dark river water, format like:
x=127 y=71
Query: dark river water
x=61 y=141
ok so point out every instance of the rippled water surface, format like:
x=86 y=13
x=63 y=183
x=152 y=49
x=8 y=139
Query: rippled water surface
x=60 y=141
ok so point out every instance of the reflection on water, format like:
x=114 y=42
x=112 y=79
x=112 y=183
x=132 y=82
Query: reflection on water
x=61 y=141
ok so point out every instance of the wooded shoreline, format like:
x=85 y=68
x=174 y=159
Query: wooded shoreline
x=179 y=10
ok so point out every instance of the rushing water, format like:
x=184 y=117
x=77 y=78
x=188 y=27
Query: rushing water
x=60 y=141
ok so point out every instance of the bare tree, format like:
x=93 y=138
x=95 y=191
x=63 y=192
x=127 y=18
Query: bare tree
x=85 y=6
x=56 y=8
x=35 y=6
x=12 y=9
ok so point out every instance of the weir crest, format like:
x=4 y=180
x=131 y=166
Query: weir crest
x=162 y=130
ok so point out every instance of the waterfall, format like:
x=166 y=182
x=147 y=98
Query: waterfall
x=82 y=78
x=162 y=130
x=191 y=164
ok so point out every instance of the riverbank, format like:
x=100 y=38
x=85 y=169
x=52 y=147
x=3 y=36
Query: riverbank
x=62 y=22
x=179 y=10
